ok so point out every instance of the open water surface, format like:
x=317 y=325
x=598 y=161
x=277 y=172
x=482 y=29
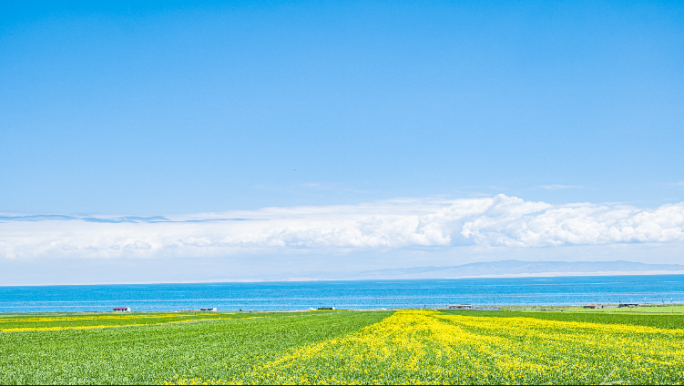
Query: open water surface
x=345 y=294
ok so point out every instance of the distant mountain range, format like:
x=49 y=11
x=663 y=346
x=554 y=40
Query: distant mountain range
x=505 y=268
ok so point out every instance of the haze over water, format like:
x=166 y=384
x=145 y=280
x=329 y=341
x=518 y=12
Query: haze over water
x=345 y=294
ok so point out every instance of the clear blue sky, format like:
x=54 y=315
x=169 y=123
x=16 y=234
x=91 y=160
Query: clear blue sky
x=178 y=107
x=272 y=139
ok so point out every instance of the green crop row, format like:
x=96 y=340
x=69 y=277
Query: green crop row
x=152 y=354
x=76 y=321
x=658 y=321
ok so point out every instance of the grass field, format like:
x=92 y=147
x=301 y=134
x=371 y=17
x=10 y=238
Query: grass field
x=639 y=310
x=668 y=309
x=79 y=321
x=409 y=346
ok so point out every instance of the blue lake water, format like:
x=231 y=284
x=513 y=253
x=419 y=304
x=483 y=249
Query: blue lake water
x=345 y=294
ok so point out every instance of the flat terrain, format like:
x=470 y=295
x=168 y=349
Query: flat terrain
x=639 y=310
x=408 y=346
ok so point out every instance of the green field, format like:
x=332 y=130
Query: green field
x=667 y=309
x=409 y=346
x=639 y=310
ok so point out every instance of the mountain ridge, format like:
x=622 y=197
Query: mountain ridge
x=502 y=268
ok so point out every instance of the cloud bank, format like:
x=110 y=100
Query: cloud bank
x=500 y=221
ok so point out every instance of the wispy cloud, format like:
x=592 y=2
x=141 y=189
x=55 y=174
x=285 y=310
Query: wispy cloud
x=500 y=221
x=680 y=183
x=558 y=187
x=312 y=185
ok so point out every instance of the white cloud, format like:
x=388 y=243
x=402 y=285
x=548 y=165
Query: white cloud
x=501 y=221
x=579 y=224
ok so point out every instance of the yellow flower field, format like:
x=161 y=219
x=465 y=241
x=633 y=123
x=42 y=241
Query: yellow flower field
x=431 y=347
x=119 y=316
x=88 y=322
x=360 y=347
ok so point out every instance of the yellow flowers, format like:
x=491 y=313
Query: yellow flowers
x=88 y=322
x=118 y=316
x=432 y=347
x=177 y=380
x=410 y=346
x=23 y=329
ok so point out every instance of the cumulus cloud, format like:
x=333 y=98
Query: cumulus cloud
x=500 y=221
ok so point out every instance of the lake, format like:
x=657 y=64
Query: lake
x=345 y=294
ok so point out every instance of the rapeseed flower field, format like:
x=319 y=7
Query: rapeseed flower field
x=67 y=322
x=402 y=347
x=413 y=347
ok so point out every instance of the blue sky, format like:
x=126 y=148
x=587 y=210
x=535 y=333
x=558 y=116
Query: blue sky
x=159 y=108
